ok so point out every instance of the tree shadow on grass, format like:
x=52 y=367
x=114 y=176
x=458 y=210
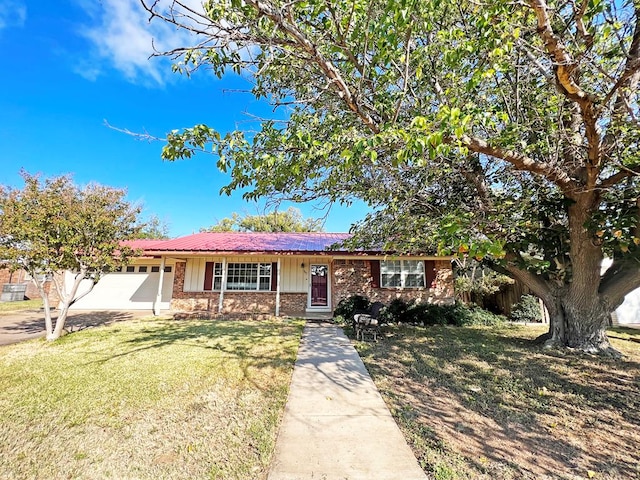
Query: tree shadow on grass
x=255 y=344
x=500 y=397
x=32 y=322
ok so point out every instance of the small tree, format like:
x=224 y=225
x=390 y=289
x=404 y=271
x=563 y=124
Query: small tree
x=291 y=220
x=54 y=226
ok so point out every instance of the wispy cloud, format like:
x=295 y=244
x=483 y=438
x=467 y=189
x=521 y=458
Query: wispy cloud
x=124 y=39
x=13 y=13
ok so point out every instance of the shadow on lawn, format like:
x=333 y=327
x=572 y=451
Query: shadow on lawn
x=32 y=322
x=246 y=341
x=501 y=395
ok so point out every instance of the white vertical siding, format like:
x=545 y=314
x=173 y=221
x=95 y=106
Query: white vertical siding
x=194 y=274
x=294 y=278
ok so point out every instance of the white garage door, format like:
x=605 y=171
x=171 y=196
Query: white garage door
x=126 y=291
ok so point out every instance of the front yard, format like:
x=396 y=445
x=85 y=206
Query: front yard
x=146 y=399
x=484 y=403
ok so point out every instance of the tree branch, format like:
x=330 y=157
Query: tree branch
x=614 y=179
x=565 y=68
x=564 y=64
x=536 y=283
x=631 y=75
x=522 y=162
x=620 y=279
x=330 y=71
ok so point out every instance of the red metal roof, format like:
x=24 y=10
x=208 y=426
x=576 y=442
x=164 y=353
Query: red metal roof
x=244 y=242
x=142 y=243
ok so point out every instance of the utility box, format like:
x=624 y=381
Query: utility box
x=13 y=292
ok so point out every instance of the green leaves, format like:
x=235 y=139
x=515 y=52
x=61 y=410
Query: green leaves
x=448 y=118
x=52 y=226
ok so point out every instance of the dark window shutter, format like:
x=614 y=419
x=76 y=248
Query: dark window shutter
x=208 y=276
x=375 y=273
x=274 y=276
x=430 y=273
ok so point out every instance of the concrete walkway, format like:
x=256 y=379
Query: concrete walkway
x=336 y=425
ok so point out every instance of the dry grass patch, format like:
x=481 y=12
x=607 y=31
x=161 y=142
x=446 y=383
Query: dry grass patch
x=147 y=399
x=486 y=403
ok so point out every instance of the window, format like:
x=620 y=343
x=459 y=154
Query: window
x=167 y=269
x=142 y=269
x=217 y=276
x=240 y=276
x=402 y=273
x=131 y=269
x=248 y=276
x=155 y=269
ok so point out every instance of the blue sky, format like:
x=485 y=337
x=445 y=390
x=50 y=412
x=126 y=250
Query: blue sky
x=70 y=65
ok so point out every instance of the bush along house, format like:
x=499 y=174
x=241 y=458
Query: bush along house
x=265 y=273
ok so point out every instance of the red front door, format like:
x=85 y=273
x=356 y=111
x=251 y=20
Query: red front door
x=319 y=285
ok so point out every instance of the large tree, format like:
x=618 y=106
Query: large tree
x=290 y=220
x=507 y=131
x=52 y=227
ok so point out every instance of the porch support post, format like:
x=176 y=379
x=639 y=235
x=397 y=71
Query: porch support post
x=223 y=285
x=156 y=304
x=278 y=289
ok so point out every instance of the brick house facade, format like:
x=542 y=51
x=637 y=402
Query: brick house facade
x=357 y=277
x=266 y=273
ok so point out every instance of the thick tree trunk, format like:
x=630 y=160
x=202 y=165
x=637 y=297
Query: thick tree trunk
x=586 y=327
x=580 y=327
x=579 y=314
x=557 y=331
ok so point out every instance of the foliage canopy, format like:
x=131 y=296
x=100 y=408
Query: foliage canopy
x=508 y=132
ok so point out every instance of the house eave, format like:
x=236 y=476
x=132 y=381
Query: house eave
x=337 y=255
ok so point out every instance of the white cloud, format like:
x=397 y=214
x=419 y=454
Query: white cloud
x=124 y=39
x=12 y=13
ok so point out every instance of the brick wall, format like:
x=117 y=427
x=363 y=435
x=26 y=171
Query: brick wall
x=353 y=277
x=292 y=303
x=350 y=277
x=249 y=302
x=233 y=302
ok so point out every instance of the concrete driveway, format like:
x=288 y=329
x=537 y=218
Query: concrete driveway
x=18 y=326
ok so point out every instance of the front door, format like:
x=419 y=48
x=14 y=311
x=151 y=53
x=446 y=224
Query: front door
x=319 y=286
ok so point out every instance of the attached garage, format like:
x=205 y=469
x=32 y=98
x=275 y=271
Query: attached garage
x=133 y=288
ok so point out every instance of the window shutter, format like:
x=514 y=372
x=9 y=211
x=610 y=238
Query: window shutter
x=375 y=273
x=208 y=276
x=430 y=273
x=274 y=276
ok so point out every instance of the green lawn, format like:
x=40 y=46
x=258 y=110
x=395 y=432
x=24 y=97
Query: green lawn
x=487 y=403
x=10 y=307
x=147 y=399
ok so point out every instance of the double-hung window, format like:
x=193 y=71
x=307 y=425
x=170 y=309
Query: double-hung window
x=248 y=276
x=240 y=276
x=402 y=273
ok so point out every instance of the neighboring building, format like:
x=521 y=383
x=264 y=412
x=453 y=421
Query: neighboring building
x=272 y=273
x=21 y=277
